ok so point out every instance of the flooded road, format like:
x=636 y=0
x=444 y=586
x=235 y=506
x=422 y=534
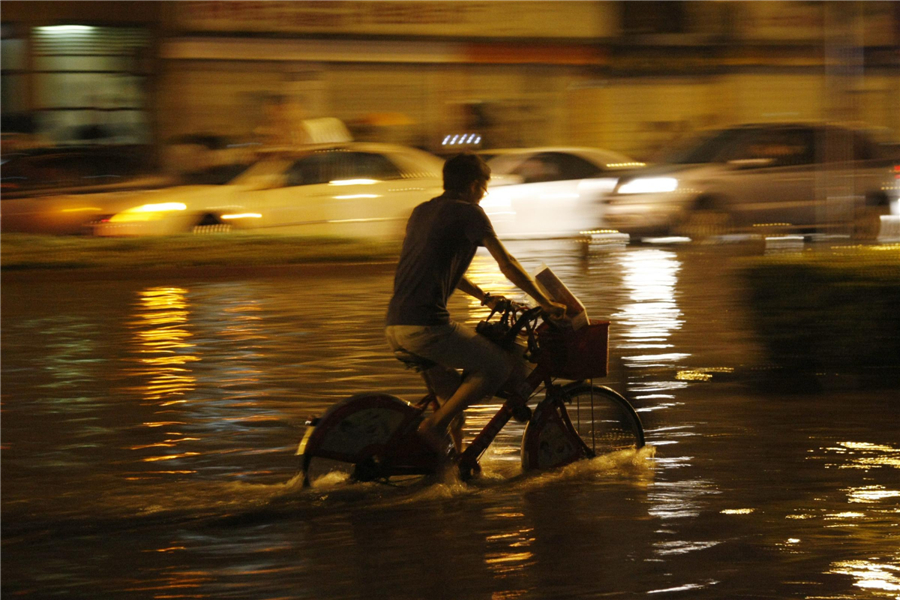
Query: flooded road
x=148 y=432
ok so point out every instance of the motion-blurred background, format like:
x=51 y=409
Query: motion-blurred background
x=107 y=96
x=628 y=76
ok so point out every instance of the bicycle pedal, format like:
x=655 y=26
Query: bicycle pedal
x=467 y=472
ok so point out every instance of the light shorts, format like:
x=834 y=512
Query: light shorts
x=454 y=346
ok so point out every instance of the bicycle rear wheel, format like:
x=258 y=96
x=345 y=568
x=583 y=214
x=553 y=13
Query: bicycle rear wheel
x=362 y=437
x=584 y=421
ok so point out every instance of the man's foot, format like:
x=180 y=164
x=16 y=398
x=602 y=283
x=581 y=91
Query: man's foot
x=456 y=432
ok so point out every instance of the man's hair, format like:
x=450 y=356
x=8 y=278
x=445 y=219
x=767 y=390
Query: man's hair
x=462 y=170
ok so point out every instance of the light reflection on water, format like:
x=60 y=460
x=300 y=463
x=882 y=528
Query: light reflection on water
x=164 y=345
x=167 y=415
x=649 y=318
x=871 y=575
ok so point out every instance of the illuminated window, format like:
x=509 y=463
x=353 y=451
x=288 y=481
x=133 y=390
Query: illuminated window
x=12 y=53
x=90 y=83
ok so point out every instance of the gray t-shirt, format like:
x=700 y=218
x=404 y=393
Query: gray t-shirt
x=442 y=236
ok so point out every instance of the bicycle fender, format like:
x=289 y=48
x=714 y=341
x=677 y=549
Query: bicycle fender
x=548 y=441
x=351 y=426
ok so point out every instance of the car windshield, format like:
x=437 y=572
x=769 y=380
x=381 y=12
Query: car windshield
x=261 y=173
x=578 y=164
x=704 y=147
x=418 y=162
x=504 y=164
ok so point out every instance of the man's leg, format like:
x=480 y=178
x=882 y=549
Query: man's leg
x=485 y=366
x=444 y=382
x=472 y=389
x=455 y=346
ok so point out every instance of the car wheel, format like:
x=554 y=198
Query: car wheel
x=702 y=224
x=867 y=222
x=210 y=224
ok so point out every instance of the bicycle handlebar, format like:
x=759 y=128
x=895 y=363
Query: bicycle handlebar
x=513 y=318
x=530 y=314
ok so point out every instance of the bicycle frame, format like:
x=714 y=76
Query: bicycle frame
x=539 y=376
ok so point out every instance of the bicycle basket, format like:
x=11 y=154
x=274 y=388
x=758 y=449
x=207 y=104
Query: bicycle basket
x=575 y=354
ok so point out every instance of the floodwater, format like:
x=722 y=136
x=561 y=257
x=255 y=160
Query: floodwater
x=148 y=432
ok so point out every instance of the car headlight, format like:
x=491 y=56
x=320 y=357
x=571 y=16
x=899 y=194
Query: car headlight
x=649 y=185
x=146 y=212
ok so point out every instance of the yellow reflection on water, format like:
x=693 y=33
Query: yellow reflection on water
x=509 y=552
x=704 y=374
x=509 y=557
x=871 y=493
x=170 y=456
x=508 y=595
x=164 y=344
x=165 y=349
x=844 y=515
x=870 y=574
x=864 y=455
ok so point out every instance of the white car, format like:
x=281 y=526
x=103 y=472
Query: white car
x=758 y=178
x=550 y=192
x=354 y=190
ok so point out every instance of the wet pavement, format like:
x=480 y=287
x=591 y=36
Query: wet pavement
x=149 y=427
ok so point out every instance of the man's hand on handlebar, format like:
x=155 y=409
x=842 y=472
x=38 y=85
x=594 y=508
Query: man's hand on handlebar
x=491 y=301
x=553 y=310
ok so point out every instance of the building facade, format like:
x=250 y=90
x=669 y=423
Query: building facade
x=628 y=76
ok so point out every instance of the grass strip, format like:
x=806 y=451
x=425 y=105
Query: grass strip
x=20 y=252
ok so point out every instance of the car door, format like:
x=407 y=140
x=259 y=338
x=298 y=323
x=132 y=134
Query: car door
x=367 y=195
x=770 y=177
x=278 y=194
x=551 y=200
x=333 y=192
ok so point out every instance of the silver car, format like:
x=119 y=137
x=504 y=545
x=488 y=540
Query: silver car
x=759 y=178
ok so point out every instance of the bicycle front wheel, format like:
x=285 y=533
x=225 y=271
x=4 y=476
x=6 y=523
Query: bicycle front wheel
x=583 y=421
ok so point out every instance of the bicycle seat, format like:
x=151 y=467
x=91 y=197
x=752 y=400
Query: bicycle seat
x=414 y=361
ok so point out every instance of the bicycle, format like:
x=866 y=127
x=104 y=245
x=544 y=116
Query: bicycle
x=373 y=435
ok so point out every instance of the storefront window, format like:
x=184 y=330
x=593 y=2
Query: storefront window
x=12 y=56
x=90 y=83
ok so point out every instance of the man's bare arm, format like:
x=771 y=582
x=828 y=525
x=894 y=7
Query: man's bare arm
x=465 y=285
x=513 y=271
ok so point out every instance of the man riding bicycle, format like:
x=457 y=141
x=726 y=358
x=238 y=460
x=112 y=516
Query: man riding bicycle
x=442 y=236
